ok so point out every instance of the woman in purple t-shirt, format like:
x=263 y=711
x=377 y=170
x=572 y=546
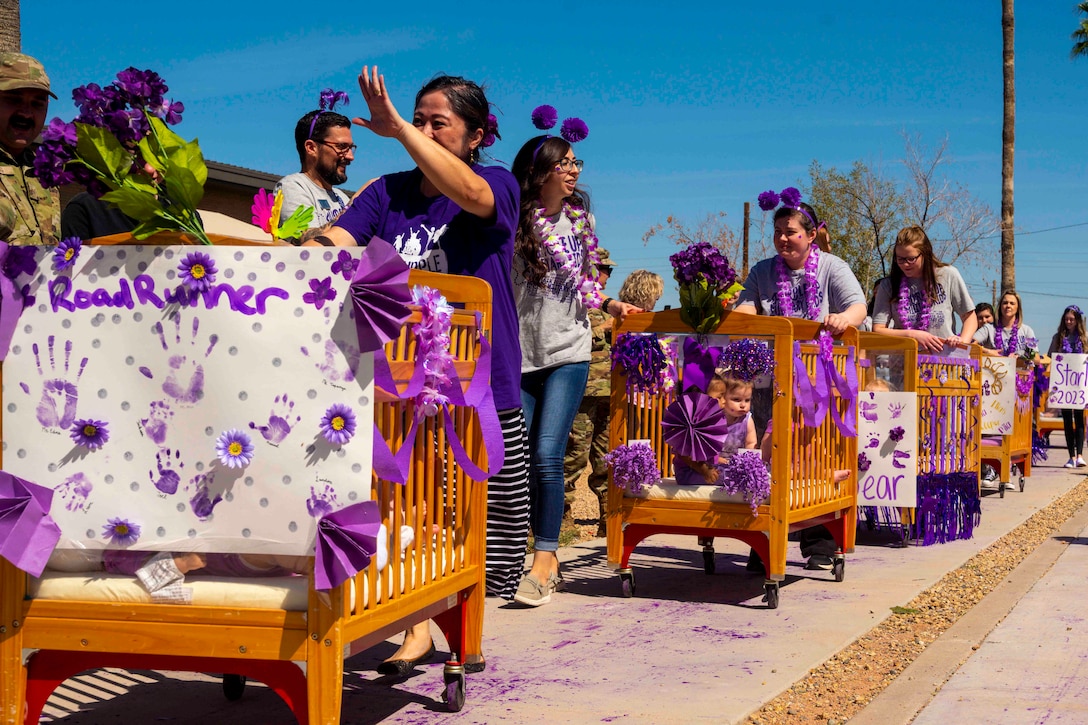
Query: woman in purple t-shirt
x=452 y=215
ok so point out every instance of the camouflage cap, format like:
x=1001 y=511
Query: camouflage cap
x=605 y=258
x=18 y=71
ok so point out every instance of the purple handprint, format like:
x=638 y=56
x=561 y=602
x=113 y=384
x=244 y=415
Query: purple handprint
x=337 y=365
x=874 y=441
x=57 y=407
x=201 y=502
x=868 y=411
x=279 y=421
x=897 y=456
x=166 y=479
x=896 y=410
x=74 y=492
x=185 y=381
x=154 y=425
x=320 y=504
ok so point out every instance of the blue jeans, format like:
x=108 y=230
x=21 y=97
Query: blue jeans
x=550 y=399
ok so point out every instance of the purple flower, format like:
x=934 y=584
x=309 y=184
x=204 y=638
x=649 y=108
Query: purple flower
x=321 y=291
x=574 y=130
x=746 y=474
x=896 y=434
x=634 y=467
x=344 y=264
x=121 y=532
x=704 y=261
x=60 y=132
x=141 y=87
x=197 y=271
x=790 y=196
x=67 y=252
x=491 y=131
x=169 y=112
x=127 y=124
x=95 y=102
x=338 y=424
x=746 y=359
x=545 y=117
x=19 y=260
x=91 y=434
x=768 y=200
x=234 y=448
x=863 y=462
x=50 y=164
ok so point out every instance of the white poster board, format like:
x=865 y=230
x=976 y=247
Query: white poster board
x=1068 y=381
x=266 y=350
x=887 y=449
x=998 y=395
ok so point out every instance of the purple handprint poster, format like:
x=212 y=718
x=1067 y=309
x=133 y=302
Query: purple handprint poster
x=193 y=398
x=887 y=449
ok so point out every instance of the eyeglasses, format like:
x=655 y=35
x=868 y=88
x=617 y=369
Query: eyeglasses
x=341 y=149
x=565 y=165
x=606 y=268
x=907 y=260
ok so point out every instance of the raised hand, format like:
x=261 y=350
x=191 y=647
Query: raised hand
x=384 y=119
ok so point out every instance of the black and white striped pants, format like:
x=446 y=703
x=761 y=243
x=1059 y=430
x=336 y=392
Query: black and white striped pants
x=508 y=509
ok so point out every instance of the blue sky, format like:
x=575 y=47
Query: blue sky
x=693 y=108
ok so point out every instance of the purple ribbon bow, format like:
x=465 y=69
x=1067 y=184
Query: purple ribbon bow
x=814 y=396
x=28 y=534
x=699 y=363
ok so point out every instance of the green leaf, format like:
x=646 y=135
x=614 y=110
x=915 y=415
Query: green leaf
x=137 y=204
x=182 y=186
x=100 y=151
x=297 y=223
x=153 y=226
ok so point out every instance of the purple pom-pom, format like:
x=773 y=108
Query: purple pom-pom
x=790 y=196
x=545 y=117
x=768 y=200
x=574 y=130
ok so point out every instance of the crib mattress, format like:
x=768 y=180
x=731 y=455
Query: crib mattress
x=668 y=490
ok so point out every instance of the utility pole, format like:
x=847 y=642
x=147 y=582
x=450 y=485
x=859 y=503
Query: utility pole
x=747 y=220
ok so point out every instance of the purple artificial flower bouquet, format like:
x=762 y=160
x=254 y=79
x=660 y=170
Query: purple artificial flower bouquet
x=707 y=281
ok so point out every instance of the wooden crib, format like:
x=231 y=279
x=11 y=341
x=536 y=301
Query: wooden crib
x=297 y=651
x=803 y=492
x=1014 y=450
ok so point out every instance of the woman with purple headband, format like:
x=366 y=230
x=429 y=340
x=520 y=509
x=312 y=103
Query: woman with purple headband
x=1071 y=338
x=556 y=283
x=450 y=214
x=803 y=280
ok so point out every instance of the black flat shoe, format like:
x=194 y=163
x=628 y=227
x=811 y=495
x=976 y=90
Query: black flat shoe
x=474 y=664
x=402 y=668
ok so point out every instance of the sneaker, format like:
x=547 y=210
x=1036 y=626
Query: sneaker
x=532 y=593
x=1071 y=463
x=819 y=561
x=1080 y=462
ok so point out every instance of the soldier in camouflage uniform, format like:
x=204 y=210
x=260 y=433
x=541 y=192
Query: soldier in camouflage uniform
x=588 y=440
x=29 y=214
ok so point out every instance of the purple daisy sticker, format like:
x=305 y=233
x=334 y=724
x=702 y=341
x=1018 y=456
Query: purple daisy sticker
x=91 y=434
x=322 y=291
x=345 y=264
x=338 y=424
x=197 y=271
x=234 y=448
x=66 y=253
x=121 y=532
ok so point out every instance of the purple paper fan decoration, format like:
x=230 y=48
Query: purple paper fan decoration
x=768 y=200
x=574 y=130
x=545 y=117
x=694 y=425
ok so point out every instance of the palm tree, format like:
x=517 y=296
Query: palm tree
x=1008 y=138
x=10 y=39
x=1080 y=35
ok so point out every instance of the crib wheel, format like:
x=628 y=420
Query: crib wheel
x=838 y=568
x=708 y=560
x=627 y=582
x=1022 y=484
x=453 y=694
x=234 y=686
x=1001 y=489
x=771 y=595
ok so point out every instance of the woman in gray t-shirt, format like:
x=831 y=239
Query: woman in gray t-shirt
x=921 y=295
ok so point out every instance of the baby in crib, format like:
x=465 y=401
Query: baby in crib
x=735 y=399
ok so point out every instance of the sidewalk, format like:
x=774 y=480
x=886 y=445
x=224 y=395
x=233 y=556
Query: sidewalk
x=688 y=648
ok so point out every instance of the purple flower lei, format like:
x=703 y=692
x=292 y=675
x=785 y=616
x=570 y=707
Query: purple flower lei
x=588 y=287
x=922 y=322
x=1075 y=348
x=785 y=287
x=432 y=335
x=1006 y=347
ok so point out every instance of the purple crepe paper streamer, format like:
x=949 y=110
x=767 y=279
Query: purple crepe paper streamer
x=948 y=507
x=11 y=306
x=379 y=295
x=815 y=397
x=345 y=542
x=28 y=534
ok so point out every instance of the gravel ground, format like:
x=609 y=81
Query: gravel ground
x=873 y=661
x=585 y=510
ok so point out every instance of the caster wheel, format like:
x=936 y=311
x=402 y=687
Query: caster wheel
x=453 y=694
x=1023 y=483
x=838 y=569
x=771 y=595
x=234 y=686
x=627 y=582
x=708 y=561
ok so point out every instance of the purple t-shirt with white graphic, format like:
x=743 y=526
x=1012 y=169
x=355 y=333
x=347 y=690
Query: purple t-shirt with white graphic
x=435 y=234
